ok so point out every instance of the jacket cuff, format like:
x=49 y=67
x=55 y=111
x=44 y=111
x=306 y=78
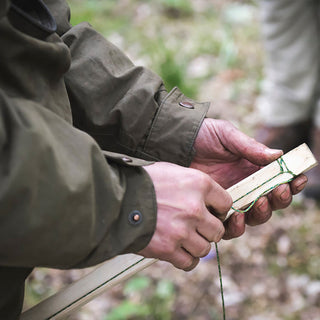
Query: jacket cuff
x=174 y=129
x=139 y=208
x=136 y=223
x=139 y=212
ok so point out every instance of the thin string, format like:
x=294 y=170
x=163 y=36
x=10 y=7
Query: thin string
x=283 y=169
x=221 y=285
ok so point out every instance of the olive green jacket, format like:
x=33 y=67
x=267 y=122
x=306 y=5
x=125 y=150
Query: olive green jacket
x=72 y=105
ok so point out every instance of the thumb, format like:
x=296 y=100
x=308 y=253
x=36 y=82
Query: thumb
x=258 y=153
x=246 y=147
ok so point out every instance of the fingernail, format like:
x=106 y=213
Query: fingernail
x=238 y=218
x=220 y=234
x=193 y=265
x=207 y=251
x=301 y=183
x=263 y=207
x=274 y=152
x=285 y=194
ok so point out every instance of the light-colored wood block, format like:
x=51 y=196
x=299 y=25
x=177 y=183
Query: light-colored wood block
x=116 y=270
x=298 y=160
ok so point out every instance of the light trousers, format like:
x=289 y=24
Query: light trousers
x=291 y=34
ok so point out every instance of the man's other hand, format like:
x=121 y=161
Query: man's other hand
x=228 y=155
x=185 y=226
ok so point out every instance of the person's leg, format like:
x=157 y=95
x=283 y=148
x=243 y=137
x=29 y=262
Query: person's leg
x=12 y=291
x=317 y=97
x=290 y=114
x=312 y=189
x=290 y=31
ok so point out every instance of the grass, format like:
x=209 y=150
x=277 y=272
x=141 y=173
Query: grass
x=170 y=36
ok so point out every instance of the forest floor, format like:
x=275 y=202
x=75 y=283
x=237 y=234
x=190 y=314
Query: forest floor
x=212 y=50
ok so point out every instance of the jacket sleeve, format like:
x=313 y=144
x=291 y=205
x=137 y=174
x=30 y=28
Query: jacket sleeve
x=126 y=108
x=62 y=203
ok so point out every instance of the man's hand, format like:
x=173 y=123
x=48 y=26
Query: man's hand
x=185 y=227
x=227 y=155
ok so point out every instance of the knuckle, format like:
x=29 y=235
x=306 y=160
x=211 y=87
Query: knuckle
x=186 y=263
x=217 y=236
x=217 y=230
x=192 y=178
x=205 y=251
x=167 y=248
x=180 y=233
x=203 y=181
x=195 y=210
x=227 y=204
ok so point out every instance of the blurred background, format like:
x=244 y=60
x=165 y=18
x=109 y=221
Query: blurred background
x=212 y=51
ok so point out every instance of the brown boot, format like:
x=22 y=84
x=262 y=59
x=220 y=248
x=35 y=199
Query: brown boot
x=284 y=137
x=312 y=189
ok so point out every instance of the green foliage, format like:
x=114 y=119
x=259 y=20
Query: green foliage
x=162 y=300
x=136 y=284
x=37 y=288
x=169 y=35
x=294 y=316
x=128 y=310
x=144 y=300
x=182 y=6
x=165 y=289
x=170 y=66
x=215 y=314
x=101 y=14
x=238 y=14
